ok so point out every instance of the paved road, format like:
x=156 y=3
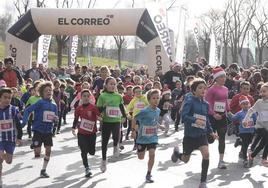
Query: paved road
x=66 y=169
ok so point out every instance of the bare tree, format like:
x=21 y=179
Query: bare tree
x=40 y=3
x=22 y=6
x=5 y=21
x=239 y=15
x=119 y=40
x=261 y=30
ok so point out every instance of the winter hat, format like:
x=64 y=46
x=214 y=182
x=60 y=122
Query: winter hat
x=166 y=92
x=243 y=99
x=217 y=72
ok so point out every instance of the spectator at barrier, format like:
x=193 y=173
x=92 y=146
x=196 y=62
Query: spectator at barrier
x=34 y=73
x=172 y=76
x=11 y=75
x=77 y=73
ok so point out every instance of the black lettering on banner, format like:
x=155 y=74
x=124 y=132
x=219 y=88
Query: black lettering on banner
x=158 y=58
x=13 y=52
x=85 y=21
x=158 y=19
x=73 y=21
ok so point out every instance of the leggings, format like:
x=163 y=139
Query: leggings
x=107 y=129
x=220 y=126
x=246 y=140
x=263 y=133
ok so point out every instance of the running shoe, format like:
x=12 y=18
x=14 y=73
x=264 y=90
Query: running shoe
x=222 y=165
x=149 y=179
x=116 y=151
x=43 y=174
x=203 y=185
x=103 y=165
x=88 y=172
x=237 y=143
x=175 y=153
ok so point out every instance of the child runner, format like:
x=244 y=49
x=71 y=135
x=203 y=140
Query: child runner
x=147 y=125
x=246 y=133
x=45 y=115
x=9 y=122
x=87 y=113
x=197 y=127
x=261 y=107
x=138 y=103
x=217 y=97
x=165 y=106
x=111 y=105
x=128 y=96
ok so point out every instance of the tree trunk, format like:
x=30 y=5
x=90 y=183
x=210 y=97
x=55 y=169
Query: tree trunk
x=225 y=54
x=119 y=57
x=260 y=56
x=59 y=53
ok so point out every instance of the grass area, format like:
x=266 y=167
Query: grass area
x=97 y=61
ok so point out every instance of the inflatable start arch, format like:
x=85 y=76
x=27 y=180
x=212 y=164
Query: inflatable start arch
x=148 y=24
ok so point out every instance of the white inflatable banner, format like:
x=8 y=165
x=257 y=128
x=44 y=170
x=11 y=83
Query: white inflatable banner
x=73 y=47
x=139 y=22
x=213 y=52
x=43 y=48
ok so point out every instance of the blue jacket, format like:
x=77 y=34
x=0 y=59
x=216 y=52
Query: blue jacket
x=40 y=107
x=148 y=124
x=239 y=116
x=193 y=107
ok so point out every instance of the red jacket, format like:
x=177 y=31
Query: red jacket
x=234 y=104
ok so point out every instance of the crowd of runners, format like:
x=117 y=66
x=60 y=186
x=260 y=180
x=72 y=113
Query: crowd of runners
x=209 y=102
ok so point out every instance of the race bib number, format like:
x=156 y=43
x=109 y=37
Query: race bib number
x=113 y=112
x=140 y=105
x=87 y=125
x=219 y=106
x=263 y=115
x=149 y=130
x=200 y=117
x=48 y=116
x=6 y=125
x=175 y=78
x=250 y=124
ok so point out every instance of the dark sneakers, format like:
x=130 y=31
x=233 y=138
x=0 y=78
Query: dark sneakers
x=175 y=153
x=44 y=174
x=88 y=172
x=149 y=178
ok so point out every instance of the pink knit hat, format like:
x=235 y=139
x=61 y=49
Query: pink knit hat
x=217 y=72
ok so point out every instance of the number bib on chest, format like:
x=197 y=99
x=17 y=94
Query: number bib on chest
x=140 y=105
x=175 y=78
x=219 y=106
x=48 y=116
x=6 y=125
x=113 y=112
x=201 y=117
x=250 y=124
x=148 y=130
x=87 y=125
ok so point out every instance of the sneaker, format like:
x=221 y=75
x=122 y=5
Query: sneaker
x=103 y=166
x=121 y=147
x=203 y=185
x=58 y=132
x=175 y=153
x=245 y=164
x=222 y=165
x=88 y=172
x=116 y=151
x=149 y=179
x=43 y=174
x=264 y=162
x=250 y=160
x=32 y=146
x=237 y=142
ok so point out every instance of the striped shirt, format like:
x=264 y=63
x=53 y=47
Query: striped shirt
x=8 y=121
